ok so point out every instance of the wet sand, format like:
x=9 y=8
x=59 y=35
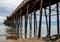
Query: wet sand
x=12 y=40
x=24 y=40
x=9 y=41
x=3 y=39
x=31 y=40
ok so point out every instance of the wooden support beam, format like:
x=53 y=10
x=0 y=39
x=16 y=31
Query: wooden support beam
x=18 y=29
x=25 y=27
x=49 y=18
x=26 y=21
x=46 y=21
x=30 y=22
x=35 y=24
x=20 y=25
x=14 y=22
x=17 y=25
x=57 y=18
x=40 y=20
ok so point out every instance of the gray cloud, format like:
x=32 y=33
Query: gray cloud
x=8 y=6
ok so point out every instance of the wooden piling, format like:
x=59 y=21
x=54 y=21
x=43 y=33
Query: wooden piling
x=26 y=21
x=49 y=18
x=46 y=21
x=40 y=20
x=30 y=22
x=57 y=18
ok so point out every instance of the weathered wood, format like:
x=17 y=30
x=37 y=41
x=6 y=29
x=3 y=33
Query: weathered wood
x=17 y=26
x=30 y=22
x=49 y=18
x=36 y=26
x=46 y=21
x=34 y=23
x=57 y=18
x=26 y=21
x=27 y=10
x=40 y=20
x=34 y=4
x=20 y=25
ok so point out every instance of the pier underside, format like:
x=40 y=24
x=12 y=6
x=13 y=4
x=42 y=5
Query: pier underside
x=27 y=9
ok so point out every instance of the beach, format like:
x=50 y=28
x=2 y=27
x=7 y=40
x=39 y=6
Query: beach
x=31 y=40
x=5 y=29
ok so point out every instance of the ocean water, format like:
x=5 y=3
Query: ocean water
x=2 y=28
x=53 y=30
x=43 y=30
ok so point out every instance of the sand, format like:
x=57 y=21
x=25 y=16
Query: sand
x=12 y=40
x=24 y=40
x=31 y=40
x=27 y=40
x=3 y=39
x=58 y=40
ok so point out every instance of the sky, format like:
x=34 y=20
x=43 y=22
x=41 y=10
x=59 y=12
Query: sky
x=7 y=7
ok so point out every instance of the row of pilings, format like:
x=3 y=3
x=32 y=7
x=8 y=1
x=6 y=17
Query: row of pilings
x=17 y=21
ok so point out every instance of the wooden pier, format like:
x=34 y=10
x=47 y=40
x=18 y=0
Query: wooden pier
x=25 y=9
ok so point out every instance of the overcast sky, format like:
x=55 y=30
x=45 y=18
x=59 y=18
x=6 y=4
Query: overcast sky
x=7 y=7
